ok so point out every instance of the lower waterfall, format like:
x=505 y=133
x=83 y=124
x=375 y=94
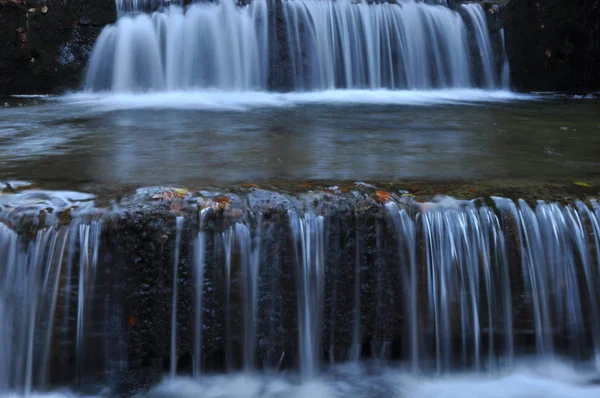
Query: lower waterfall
x=440 y=287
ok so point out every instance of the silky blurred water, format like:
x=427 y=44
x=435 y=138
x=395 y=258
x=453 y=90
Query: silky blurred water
x=188 y=138
x=551 y=379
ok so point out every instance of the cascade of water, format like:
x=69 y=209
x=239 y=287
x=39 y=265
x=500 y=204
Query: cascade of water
x=458 y=258
x=484 y=47
x=209 y=45
x=406 y=237
x=348 y=45
x=250 y=263
x=87 y=273
x=556 y=256
x=30 y=279
x=308 y=233
x=199 y=276
x=177 y=250
x=330 y=44
x=458 y=288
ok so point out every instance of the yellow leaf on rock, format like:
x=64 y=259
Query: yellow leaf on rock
x=181 y=192
x=582 y=184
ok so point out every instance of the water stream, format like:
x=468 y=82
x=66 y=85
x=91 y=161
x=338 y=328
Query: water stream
x=318 y=45
x=471 y=287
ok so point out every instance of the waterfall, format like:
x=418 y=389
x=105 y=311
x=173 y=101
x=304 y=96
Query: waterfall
x=32 y=282
x=441 y=286
x=484 y=47
x=209 y=45
x=340 y=44
x=314 y=44
x=308 y=233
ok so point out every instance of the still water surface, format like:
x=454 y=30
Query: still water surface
x=195 y=138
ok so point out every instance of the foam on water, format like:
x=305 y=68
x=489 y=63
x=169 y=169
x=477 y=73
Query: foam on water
x=240 y=101
x=551 y=379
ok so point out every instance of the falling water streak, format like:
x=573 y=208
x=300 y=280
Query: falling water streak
x=227 y=237
x=53 y=300
x=505 y=75
x=356 y=334
x=84 y=237
x=308 y=233
x=406 y=238
x=250 y=263
x=179 y=227
x=484 y=47
x=68 y=290
x=87 y=273
x=199 y=274
x=533 y=258
x=34 y=272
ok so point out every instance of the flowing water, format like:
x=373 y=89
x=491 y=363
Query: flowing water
x=148 y=140
x=461 y=298
x=294 y=44
x=273 y=294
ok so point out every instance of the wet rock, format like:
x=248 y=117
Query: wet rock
x=58 y=36
x=554 y=45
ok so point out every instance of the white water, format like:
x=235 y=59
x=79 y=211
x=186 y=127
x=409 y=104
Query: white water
x=484 y=47
x=242 y=101
x=530 y=380
x=330 y=44
x=349 y=45
x=210 y=45
x=30 y=281
x=308 y=233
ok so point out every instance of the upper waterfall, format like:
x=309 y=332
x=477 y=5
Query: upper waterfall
x=307 y=44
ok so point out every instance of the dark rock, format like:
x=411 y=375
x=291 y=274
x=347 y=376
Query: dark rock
x=554 y=45
x=47 y=52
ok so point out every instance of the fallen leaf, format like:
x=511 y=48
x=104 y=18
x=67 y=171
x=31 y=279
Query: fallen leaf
x=181 y=192
x=582 y=184
x=383 y=196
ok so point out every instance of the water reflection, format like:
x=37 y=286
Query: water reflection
x=83 y=142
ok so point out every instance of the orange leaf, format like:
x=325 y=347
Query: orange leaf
x=132 y=321
x=383 y=196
